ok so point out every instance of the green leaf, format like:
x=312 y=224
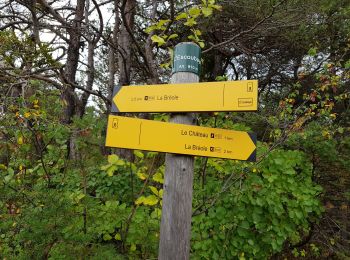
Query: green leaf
x=172 y=36
x=120 y=162
x=242 y=232
x=133 y=247
x=140 y=200
x=181 y=16
x=113 y=158
x=312 y=52
x=107 y=237
x=80 y=196
x=217 y=7
x=150 y=28
x=152 y=154
x=138 y=154
x=278 y=161
x=141 y=175
x=298 y=214
x=156 y=214
x=20 y=140
x=157 y=39
x=161 y=23
x=117 y=237
x=111 y=170
x=190 y=22
x=207 y=11
x=194 y=12
x=165 y=65
x=245 y=224
x=201 y=44
x=347 y=65
x=150 y=200
x=191 y=37
x=197 y=32
x=10 y=171
x=8 y=178
x=158 y=177
x=154 y=190
x=221 y=78
x=105 y=167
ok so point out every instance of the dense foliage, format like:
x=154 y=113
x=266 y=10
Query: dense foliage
x=64 y=195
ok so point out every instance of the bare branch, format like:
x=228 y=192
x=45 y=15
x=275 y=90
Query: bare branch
x=251 y=29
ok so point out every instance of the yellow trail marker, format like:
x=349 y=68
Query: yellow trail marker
x=133 y=133
x=207 y=96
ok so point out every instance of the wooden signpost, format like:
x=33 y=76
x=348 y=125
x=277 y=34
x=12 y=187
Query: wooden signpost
x=191 y=97
x=180 y=138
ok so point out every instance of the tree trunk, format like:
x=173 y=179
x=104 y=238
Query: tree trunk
x=92 y=41
x=68 y=96
x=124 y=59
x=112 y=57
x=124 y=41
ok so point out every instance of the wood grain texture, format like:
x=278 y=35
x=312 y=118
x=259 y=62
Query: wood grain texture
x=175 y=229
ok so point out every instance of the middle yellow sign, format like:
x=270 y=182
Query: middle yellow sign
x=189 y=97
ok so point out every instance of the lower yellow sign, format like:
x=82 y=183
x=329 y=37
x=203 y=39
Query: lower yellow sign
x=133 y=133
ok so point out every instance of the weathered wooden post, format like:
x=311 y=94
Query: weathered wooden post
x=175 y=229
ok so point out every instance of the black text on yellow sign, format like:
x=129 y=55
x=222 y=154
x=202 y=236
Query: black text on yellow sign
x=133 y=133
x=192 y=97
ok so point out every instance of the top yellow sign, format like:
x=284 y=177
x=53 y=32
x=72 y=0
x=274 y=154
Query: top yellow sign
x=190 y=97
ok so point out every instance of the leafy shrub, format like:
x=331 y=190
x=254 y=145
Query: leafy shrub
x=255 y=218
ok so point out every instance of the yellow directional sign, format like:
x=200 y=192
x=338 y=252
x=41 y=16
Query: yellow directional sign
x=207 y=96
x=133 y=133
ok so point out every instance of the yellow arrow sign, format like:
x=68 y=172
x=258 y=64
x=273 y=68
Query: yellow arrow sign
x=207 y=96
x=133 y=133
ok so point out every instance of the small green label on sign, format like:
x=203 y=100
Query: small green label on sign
x=187 y=58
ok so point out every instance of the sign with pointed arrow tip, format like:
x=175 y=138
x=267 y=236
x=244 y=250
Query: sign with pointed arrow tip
x=191 y=97
x=133 y=133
